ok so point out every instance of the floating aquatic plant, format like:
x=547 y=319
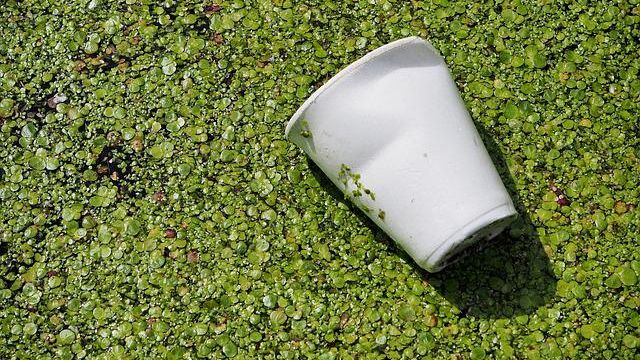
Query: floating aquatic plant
x=151 y=206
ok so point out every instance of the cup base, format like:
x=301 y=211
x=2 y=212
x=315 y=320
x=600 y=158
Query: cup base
x=478 y=232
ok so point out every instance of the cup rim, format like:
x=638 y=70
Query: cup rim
x=504 y=212
x=350 y=70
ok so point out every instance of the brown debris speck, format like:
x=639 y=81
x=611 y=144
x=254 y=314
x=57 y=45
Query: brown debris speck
x=563 y=201
x=158 y=196
x=170 y=234
x=344 y=318
x=193 y=257
x=56 y=99
x=136 y=145
x=561 y=198
x=103 y=169
x=79 y=66
x=211 y=9
x=432 y=320
x=218 y=39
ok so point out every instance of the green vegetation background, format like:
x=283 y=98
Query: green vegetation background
x=151 y=206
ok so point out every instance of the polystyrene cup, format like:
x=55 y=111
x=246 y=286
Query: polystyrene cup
x=392 y=132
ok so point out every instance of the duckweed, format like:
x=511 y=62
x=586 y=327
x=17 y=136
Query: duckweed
x=152 y=208
x=347 y=177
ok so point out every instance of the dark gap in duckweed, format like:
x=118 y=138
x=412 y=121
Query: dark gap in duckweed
x=111 y=61
x=115 y=163
x=108 y=164
x=13 y=265
x=228 y=77
x=202 y=25
x=39 y=108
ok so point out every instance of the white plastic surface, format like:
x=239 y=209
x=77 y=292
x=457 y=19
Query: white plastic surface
x=396 y=119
